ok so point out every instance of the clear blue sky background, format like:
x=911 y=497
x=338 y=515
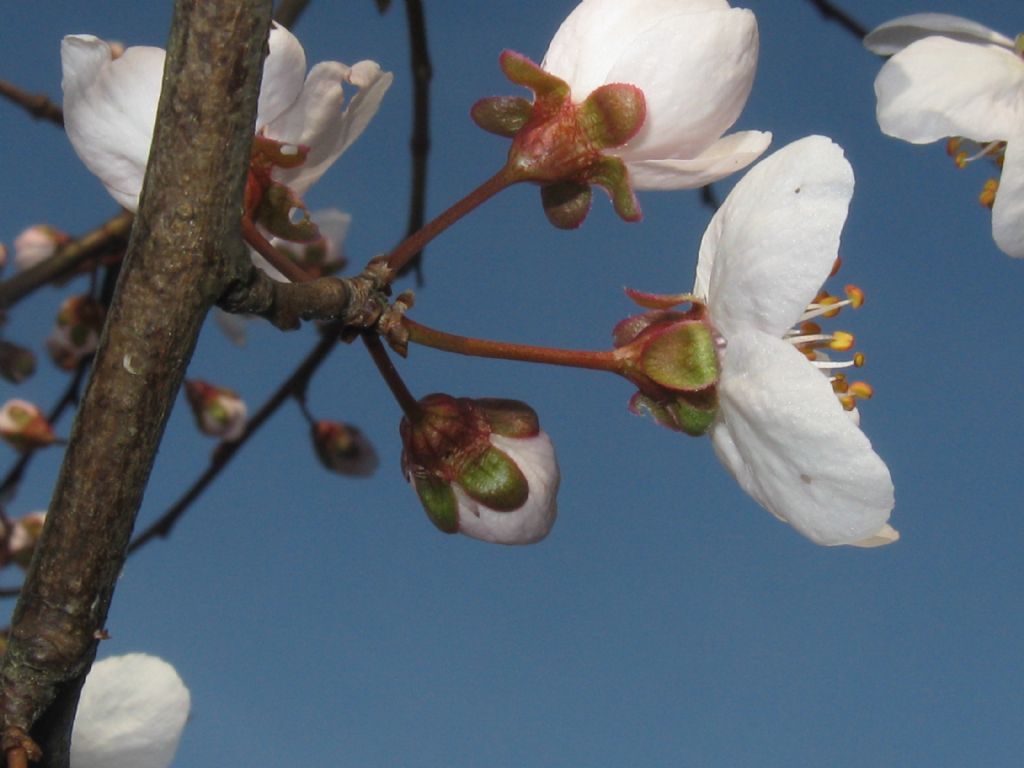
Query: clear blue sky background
x=667 y=620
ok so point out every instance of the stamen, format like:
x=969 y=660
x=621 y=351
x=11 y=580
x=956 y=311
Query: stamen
x=855 y=295
x=841 y=341
x=988 y=193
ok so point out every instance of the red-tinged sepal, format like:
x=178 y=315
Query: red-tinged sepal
x=566 y=203
x=613 y=114
x=271 y=204
x=76 y=333
x=24 y=426
x=611 y=173
x=501 y=115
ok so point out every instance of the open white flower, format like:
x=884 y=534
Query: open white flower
x=781 y=429
x=694 y=60
x=950 y=77
x=131 y=714
x=110 y=108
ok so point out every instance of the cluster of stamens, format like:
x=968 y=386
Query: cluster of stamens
x=816 y=344
x=964 y=152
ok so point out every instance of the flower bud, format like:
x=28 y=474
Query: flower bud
x=344 y=449
x=16 y=363
x=25 y=532
x=23 y=425
x=36 y=244
x=672 y=357
x=77 y=332
x=219 y=411
x=482 y=467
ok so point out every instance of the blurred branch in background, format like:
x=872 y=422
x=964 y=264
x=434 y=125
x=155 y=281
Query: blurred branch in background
x=832 y=12
x=36 y=104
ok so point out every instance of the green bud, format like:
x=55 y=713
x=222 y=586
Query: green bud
x=682 y=358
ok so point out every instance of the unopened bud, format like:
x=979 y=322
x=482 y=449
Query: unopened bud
x=482 y=467
x=36 y=244
x=23 y=426
x=219 y=411
x=25 y=534
x=77 y=331
x=344 y=449
x=16 y=363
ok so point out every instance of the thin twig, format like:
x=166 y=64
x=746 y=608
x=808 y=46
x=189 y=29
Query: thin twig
x=834 y=13
x=709 y=198
x=36 y=104
x=419 y=144
x=294 y=385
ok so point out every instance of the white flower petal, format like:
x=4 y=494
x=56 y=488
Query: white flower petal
x=887 y=535
x=696 y=71
x=130 y=714
x=110 y=110
x=895 y=35
x=317 y=119
x=284 y=71
x=939 y=87
x=535 y=457
x=597 y=32
x=1008 y=211
x=783 y=434
x=774 y=241
x=726 y=156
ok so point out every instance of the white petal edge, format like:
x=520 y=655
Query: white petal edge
x=131 y=714
x=696 y=71
x=887 y=535
x=284 y=71
x=789 y=443
x=726 y=156
x=597 y=32
x=535 y=457
x=775 y=239
x=1008 y=210
x=893 y=36
x=110 y=110
x=939 y=87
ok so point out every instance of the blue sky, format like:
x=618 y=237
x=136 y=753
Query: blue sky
x=667 y=620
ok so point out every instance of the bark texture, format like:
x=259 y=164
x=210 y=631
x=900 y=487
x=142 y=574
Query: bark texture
x=185 y=248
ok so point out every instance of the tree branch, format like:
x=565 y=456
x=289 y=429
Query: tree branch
x=185 y=249
x=36 y=104
x=288 y=12
x=834 y=13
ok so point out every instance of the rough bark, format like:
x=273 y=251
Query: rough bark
x=185 y=248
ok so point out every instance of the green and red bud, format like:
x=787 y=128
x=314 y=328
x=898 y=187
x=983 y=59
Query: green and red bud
x=483 y=468
x=672 y=357
x=219 y=412
x=24 y=534
x=560 y=144
x=36 y=244
x=77 y=331
x=16 y=363
x=344 y=449
x=272 y=204
x=24 y=426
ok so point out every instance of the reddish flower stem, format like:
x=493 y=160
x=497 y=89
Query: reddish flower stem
x=415 y=243
x=608 y=360
x=410 y=407
x=278 y=260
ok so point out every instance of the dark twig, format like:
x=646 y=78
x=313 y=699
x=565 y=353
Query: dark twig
x=709 y=198
x=288 y=12
x=294 y=386
x=833 y=13
x=107 y=237
x=419 y=144
x=36 y=104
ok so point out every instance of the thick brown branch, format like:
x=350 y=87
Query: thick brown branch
x=288 y=12
x=184 y=250
x=36 y=104
x=108 y=237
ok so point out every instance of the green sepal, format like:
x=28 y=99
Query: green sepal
x=682 y=358
x=274 y=213
x=692 y=416
x=613 y=114
x=550 y=91
x=494 y=480
x=566 y=203
x=439 y=502
x=502 y=115
x=611 y=173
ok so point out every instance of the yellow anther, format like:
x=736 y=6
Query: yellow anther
x=839 y=385
x=848 y=402
x=841 y=341
x=827 y=301
x=809 y=329
x=861 y=390
x=836 y=265
x=855 y=295
x=858 y=360
x=953 y=146
x=988 y=193
x=961 y=159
